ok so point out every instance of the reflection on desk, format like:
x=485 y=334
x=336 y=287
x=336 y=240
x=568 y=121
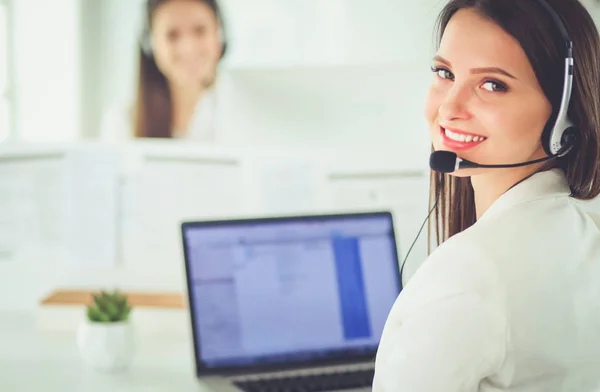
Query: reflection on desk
x=32 y=360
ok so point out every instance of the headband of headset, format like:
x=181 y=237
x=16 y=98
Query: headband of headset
x=560 y=137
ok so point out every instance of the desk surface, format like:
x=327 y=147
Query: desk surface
x=32 y=360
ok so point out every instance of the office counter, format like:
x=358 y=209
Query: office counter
x=35 y=360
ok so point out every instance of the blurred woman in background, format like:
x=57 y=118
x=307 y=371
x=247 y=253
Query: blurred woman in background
x=181 y=46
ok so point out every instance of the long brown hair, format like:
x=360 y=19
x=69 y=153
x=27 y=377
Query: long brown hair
x=153 y=108
x=540 y=39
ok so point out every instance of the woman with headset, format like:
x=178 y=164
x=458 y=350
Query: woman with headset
x=510 y=299
x=180 y=49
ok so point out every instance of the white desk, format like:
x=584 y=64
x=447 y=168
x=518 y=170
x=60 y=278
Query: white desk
x=32 y=360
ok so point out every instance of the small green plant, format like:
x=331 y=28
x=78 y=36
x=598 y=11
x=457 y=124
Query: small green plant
x=109 y=307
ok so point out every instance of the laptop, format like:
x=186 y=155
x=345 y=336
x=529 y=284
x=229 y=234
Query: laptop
x=293 y=303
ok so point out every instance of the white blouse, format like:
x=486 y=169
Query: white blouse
x=117 y=123
x=510 y=304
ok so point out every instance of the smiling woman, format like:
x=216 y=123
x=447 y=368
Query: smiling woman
x=509 y=300
x=483 y=93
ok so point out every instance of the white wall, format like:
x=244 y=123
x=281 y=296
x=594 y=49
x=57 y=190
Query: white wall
x=593 y=7
x=109 y=50
x=297 y=33
x=46 y=69
x=92 y=37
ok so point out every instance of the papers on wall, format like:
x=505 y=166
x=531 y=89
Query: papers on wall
x=58 y=205
x=32 y=206
x=93 y=175
x=285 y=185
x=164 y=192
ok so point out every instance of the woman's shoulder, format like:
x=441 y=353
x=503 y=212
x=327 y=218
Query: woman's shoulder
x=456 y=290
x=496 y=251
x=461 y=265
x=465 y=251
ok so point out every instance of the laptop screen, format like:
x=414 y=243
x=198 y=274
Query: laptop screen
x=289 y=290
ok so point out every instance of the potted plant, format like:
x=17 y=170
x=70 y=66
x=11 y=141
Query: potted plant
x=105 y=337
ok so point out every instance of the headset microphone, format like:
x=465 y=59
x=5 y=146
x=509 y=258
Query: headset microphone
x=448 y=162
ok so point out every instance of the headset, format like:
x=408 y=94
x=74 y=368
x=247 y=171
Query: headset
x=558 y=138
x=146 y=36
x=562 y=137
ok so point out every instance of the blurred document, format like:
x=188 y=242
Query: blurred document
x=59 y=205
x=94 y=206
x=287 y=186
x=32 y=206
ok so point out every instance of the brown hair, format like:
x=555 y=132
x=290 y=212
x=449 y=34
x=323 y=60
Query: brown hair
x=541 y=40
x=153 y=109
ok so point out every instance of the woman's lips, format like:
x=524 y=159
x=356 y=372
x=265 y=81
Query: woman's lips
x=460 y=140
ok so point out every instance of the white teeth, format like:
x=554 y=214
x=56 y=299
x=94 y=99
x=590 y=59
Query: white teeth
x=463 y=138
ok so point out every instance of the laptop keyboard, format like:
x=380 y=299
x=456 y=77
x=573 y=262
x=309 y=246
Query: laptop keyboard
x=311 y=383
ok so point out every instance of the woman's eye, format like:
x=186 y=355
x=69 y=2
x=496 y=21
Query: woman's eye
x=172 y=35
x=443 y=73
x=200 y=30
x=494 y=86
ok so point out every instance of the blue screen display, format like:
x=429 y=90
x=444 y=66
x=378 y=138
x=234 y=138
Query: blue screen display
x=281 y=291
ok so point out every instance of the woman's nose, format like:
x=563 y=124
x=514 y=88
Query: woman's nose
x=188 y=46
x=455 y=104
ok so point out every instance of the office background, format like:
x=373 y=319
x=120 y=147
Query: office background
x=321 y=98
x=322 y=105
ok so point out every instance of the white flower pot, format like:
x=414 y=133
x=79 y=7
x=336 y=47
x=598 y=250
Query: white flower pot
x=106 y=346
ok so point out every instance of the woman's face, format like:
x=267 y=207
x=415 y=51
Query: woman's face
x=485 y=102
x=186 y=42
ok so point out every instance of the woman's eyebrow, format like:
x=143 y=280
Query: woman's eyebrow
x=478 y=70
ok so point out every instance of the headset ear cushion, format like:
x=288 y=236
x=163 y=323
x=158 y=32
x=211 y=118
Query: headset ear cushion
x=569 y=140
